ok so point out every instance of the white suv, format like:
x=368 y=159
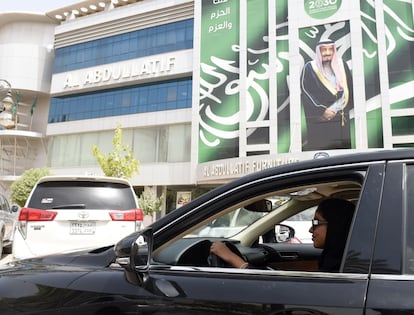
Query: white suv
x=66 y=213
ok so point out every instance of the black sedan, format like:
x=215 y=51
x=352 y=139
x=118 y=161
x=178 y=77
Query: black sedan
x=168 y=268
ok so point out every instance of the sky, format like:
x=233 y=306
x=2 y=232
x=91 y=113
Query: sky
x=38 y=6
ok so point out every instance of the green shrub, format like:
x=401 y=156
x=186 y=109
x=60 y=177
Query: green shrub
x=21 y=188
x=149 y=203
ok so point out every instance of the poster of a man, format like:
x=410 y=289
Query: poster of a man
x=326 y=94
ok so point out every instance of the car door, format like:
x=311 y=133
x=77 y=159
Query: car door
x=392 y=281
x=202 y=290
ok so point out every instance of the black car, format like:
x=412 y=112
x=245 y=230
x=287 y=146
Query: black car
x=168 y=269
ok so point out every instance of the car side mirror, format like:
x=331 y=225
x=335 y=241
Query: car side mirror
x=14 y=208
x=133 y=253
x=284 y=233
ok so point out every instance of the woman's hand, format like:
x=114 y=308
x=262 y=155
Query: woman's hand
x=221 y=250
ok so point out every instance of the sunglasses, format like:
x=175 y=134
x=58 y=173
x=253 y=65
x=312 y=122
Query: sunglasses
x=316 y=222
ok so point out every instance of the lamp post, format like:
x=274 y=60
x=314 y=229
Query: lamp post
x=6 y=96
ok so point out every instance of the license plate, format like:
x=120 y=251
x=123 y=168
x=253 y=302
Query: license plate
x=82 y=228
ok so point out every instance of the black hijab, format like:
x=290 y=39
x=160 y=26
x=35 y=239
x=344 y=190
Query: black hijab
x=339 y=214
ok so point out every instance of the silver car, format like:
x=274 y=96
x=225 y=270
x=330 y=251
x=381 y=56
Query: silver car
x=8 y=222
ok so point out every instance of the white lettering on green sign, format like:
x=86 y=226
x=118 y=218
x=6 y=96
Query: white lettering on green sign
x=322 y=9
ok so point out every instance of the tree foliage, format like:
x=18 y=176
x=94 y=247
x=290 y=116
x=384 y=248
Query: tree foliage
x=120 y=162
x=21 y=188
x=149 y=203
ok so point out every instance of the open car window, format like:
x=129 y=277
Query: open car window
x=275 y=236
x=301 y=222
x=230 y=224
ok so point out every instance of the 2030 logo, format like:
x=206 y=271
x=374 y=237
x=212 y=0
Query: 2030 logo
x=321 y=9
x=321 y=3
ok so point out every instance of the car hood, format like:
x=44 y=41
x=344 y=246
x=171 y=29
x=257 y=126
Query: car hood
x=87 y=278
x=85 y=259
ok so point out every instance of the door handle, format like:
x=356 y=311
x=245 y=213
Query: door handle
x=289 y=255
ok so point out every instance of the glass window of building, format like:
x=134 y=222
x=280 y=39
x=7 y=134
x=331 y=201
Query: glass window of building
x=158 y=96
x=150 y=145
x=154 y=40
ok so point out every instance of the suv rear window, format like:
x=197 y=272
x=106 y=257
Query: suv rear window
x=82 y=195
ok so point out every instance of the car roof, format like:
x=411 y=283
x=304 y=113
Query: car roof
x=74 y=178
x=349 y=158
x=364 y=157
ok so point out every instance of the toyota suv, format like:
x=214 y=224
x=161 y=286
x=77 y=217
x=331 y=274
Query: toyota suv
x=66 y=213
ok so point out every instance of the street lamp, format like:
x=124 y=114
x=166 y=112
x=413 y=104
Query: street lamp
x=6 y=96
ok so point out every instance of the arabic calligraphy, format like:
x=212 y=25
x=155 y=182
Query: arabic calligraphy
x=219 y=14
x=401 y=28
x=219 y=72
x=220 y=81
x=220 y=26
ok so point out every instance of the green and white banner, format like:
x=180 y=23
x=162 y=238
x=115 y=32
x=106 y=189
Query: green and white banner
x=399 y=28
x=238 y=87
x=371 y=71
x=219 y=80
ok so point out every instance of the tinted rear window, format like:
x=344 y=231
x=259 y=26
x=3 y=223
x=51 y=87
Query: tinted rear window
x=81 y=194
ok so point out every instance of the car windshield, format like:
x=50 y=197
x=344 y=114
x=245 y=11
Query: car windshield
x=306 y=215
x=237 y=220
x=82 y=194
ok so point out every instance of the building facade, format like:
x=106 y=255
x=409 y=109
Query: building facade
x=130 y=64
x=26 y=63
x=208 y=91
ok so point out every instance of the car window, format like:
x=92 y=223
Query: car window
x=306 y=215
x=249 y=229
x=229 y=224
x=82 y=194
x=301 y=222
